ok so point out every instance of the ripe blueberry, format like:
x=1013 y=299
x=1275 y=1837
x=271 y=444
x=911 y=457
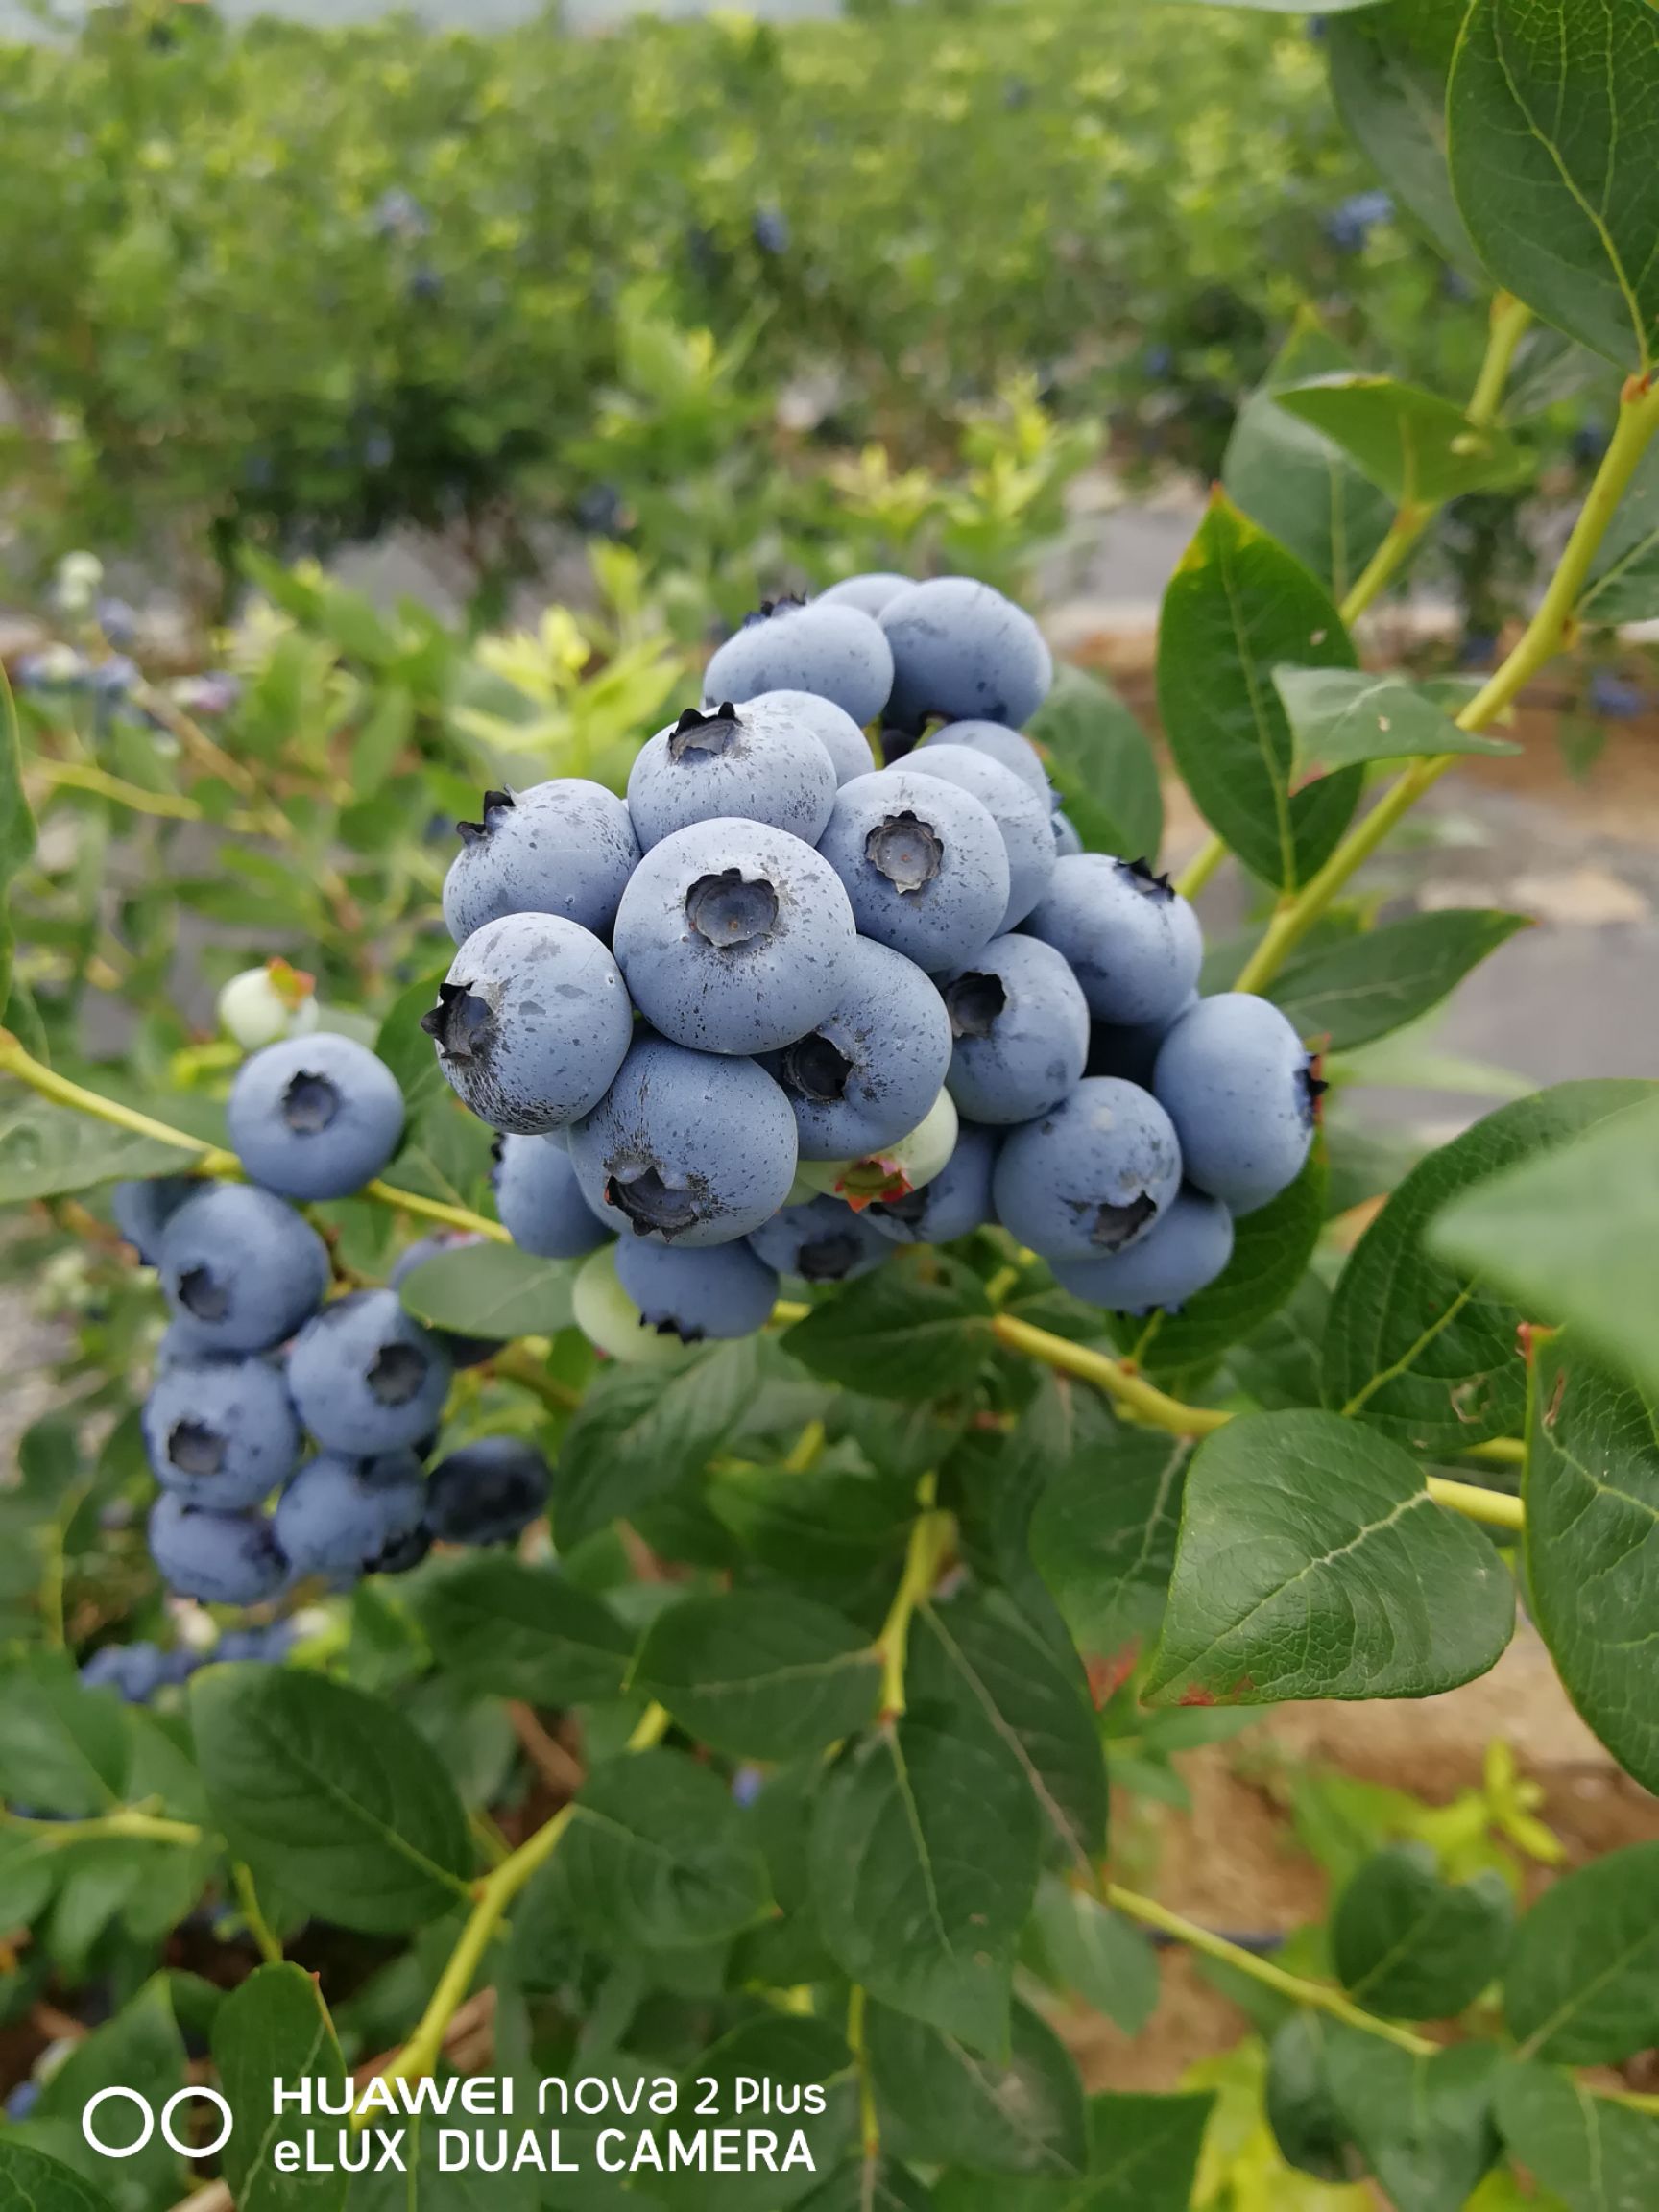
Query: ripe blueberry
x=955 y=1203
x=342 y=1516
x=758 y=762
x=963 y=651
x=870 y=1070
x=723 y=1292
x=820 y=1241
x=923 y=864
x=315 y=1117
x=1023 y=819
x=1090 y=1177
x=539 y=1199
x=366 y=1378
x=142 y=1210
x=240 y=1268
x=1133 y=941
x=998 y=743
x=487 y=1492
x=1180 y=1257
x=847 y=747
x=217 y=1559
x=869 y=593
x=1241 y=1092
x=221 y=1432
x=823 y=646
x=565 y=847
x=1021 y=1025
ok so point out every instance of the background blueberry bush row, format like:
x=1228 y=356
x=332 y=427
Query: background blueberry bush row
x=567 y=1809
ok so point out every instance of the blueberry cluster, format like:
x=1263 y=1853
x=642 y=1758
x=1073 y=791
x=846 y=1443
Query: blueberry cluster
x=258 y=1360
x=781 y=1009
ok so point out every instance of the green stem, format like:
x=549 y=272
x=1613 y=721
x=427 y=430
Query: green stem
x=869 y=2119
x=1549 y=631
x=1511 y=318
x=927 y=1534
x=258 y=1927
x=1201 y=867
x=1318 y=1995
x=519 y=1366
x=1411 y=519
x=803 y=1455
x=128 y=1821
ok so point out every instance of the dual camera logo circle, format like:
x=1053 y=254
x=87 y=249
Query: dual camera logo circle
x=148 y=2123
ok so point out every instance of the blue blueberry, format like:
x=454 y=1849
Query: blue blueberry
x=955 y=1203
x=1026 y=819
x=1182 y=1256
x=221 y=1432
x=923 y=865
x=217 y=1559
x=135 y=1672
x=142 y=1210
x=565 y=847
x=824 y=646
x=964 y=652
x=847 y=747
x=735 y=937
x=1092 y=1176
x=241 y=1269
x=21 y=2102
x=1241 y=1092
x=1067 y=842
x=867 y=1075
x=723 y=1292
x=539 y=1199
x=1021 y=1025
x=758 y=762
x=686 y=1147
x=487 y=1492
x=1130 y=1049
x=462 y=1351
x=532 y=1023
x=364 y=1376
x=343 y=1516
x=1132 y=939
x=998 y=743
x=821 y=1242
x=315 y=1117
x=869 y=593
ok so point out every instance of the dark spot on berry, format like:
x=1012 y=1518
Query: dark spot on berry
x=309 y=1104
x=669 y=1327
x=829 y=1259
x=814 y=1068
x=396 y=1373
x=1311 y=1088
x=1116 y=1225
x=495 y=804
x=1144 y=878
x=906 y=849
x=463 y=1024
x=729 y=910
x=649 y=1204
x=770 y=607
x=202 y=1293
x=403 y=1553
x=699 y=736
x=910 y=1209
x=195 y=1449
x=973 y=1001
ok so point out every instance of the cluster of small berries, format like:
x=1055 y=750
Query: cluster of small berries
x=256 y=1361
x=136 y=1672
x=781 y=1009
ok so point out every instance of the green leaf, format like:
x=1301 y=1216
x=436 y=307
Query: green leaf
x=274 y=2027
x=1271 y=1248
x=657 y=1855
x=1592 y=1501
x=1425 y=2124
x=33 y=2183
x=895 y=1335
x=1420 y=1348
x=1313 y=1563
x=491 y=1291
x=637 y=1434
x=1367 y=986
x=924 y=1865
x=940 y=2102
x=1554 y=125
x=760 y=1674
x=1413 y=1947
x=1311 y=2133
x=1582 y=1984
x=1342 y=716
x=981 y=1651
x=28 y=1871
x=789 y=2053
x=381 y=736
x=1238 y=607
x=1103 y=1538
x=1569 y=1236
x=405 y=1046
x=1415 y=445
x=501 y=1627
x=1624 y=585
x=1143 y=2157
x=332 y=1794
x=860 y=2186
x=1100 y=761
x=1389 y=68
x=1595 y=2155
x=1295 y=482
x=142 y=2050
x=63 y=1747
x=47 y=1151
x=1097 y=1954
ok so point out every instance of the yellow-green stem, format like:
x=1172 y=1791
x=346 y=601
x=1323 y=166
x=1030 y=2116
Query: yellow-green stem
x=1509 y=323
x=520 y=1366
x=869 y=2121
x=1316 y=1994
x=804 y=1453
x=1201 y=867
x=130 y=1822
x=927 y=1534
x=1411 y=519
x=258 y=1927
x=1492 y=1509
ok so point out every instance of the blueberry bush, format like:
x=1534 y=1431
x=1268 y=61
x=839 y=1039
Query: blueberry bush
x=703 y=1359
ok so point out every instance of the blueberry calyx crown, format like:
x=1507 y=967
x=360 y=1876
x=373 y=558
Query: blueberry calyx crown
x=1314 y=1087
x=202 y=1295
x=1145 y=880
x=395 y=1374
x=907 y=850
x=706 y=735
x=813 y=1067
x=494 y=803
x=973 y=1001
x=767 y=608
x=1115 y=1226
x=195 y=1449
x=461 y=1025
x=309 y=1103
x=403 y=1553
x=651 y=1204
x=731 y=910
